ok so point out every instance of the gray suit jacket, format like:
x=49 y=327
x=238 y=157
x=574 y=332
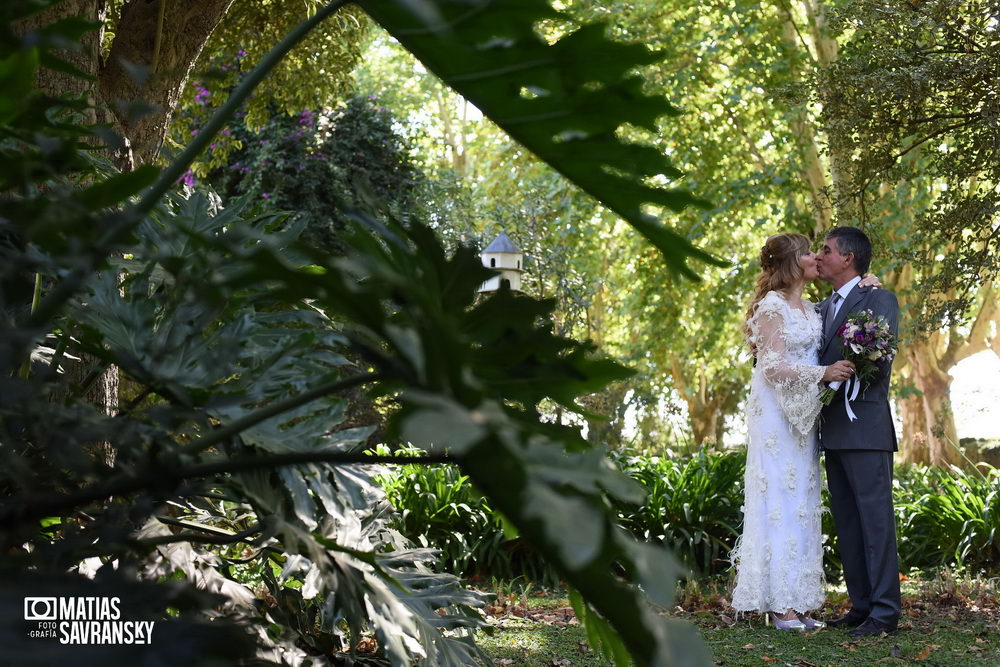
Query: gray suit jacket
x=874 y=428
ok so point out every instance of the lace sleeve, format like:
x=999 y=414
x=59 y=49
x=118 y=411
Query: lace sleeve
x=796 y=385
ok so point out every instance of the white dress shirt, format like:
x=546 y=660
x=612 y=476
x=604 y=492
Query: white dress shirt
x=844 y=290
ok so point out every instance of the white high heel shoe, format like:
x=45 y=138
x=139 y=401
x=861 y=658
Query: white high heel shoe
x=780 y=624
x=811 y=623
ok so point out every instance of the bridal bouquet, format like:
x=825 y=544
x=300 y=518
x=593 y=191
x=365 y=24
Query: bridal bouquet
x=869 y=344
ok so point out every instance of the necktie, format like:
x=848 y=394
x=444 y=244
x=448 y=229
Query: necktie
x=832 y=314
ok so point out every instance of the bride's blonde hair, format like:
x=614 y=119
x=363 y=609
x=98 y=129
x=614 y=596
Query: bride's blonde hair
x=779 y=263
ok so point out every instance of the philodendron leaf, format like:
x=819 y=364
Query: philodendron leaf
x=564 y=101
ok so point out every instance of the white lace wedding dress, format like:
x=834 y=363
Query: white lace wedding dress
x=779 y=556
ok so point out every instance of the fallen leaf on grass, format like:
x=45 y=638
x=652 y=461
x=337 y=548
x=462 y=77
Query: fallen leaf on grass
x=926 y=653
x=767 y=659
x=749 y=646
x=980 y=640
x=561 y=662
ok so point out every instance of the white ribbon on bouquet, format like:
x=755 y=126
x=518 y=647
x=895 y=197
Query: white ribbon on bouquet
x=850 y=393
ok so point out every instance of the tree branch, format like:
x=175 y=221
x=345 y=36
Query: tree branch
x=978 y=339
x=860 y=192
x=787 y=9
x=944 y=116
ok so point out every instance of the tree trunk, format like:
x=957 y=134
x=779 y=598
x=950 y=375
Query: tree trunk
x=166 y=36
x=841 y=176
x=914 y=447
x=102 y=382
x=456 y=157
x=929 y=435
x=162 y=39
x=610 y=404
x=704 y=420
x=813 y=170
x=87 y=59
x=707 y=401
x=938 y=435
x=825 y=46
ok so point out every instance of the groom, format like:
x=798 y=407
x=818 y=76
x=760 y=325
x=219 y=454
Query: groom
x=859 y=453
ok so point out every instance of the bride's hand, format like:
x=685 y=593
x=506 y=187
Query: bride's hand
x=870 y=280
x=838 y=371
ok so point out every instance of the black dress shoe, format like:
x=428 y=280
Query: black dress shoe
x=872 y=628
x=848 y=620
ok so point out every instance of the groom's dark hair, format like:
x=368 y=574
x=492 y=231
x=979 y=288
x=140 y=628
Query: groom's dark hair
x=852 y=239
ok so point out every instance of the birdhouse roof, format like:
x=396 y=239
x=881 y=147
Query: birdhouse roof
x=502 y=243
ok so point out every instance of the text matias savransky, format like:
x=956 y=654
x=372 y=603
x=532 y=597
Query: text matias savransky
x=84 y=620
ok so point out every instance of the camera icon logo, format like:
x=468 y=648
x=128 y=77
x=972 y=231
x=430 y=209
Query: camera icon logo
x=40 y=609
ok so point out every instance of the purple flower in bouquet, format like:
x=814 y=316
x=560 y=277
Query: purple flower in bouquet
x=868 y=343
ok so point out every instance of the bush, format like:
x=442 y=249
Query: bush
x=439 y=507
x=949 y=517
x=945 y=517
x=692 y=506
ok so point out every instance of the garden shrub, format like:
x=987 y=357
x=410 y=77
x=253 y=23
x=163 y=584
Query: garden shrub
x=440 y=507
x=692 y=506
x=945 y=517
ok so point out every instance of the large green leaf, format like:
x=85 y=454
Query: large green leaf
x=564 y=101
x=472 y=379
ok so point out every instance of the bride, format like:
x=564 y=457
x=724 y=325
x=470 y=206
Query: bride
x=779 y=556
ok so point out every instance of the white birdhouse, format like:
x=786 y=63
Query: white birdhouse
x=503 y=256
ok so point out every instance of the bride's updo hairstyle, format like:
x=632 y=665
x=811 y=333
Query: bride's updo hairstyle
x=779 y=264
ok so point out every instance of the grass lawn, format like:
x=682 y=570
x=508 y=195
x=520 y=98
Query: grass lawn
x=946 y=622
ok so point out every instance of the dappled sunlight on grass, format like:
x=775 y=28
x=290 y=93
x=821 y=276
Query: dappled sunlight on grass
x=535 y=627
x=948 y=619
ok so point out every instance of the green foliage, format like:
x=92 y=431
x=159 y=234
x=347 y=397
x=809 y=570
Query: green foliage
x=196 y=324
x=950 y=517
x=315 y=74
x=564 y=101
x=692 y=505
x=906 y=105
x=238 y=337
x=440 y=508
x=600 y=635
x=317 y=163
x=726 y=68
